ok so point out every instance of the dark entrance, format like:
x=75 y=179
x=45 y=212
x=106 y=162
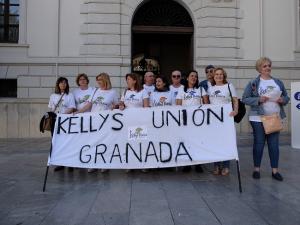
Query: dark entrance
x=162 y=38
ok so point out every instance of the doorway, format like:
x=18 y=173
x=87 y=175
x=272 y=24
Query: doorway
x=162 y=36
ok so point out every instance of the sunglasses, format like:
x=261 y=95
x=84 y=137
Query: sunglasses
x=176 y=76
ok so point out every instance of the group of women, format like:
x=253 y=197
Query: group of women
x=215 y=90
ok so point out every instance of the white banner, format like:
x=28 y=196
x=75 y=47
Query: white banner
x=145 y=137
x=295 y=114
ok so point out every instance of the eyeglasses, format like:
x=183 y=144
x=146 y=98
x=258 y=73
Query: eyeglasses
x=176 y=76
x=267 y=65
x=210 y=71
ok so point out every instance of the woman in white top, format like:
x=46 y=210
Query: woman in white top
x=62 y=102
x=219 y=93
x=191 y=95
x=83 y=92
x=134 y=96
x=161 y=96
x=265 y=95
x=102 y=98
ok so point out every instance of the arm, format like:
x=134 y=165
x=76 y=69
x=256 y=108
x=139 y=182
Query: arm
x=235 y=106
x=178 y=101
x=205 y=99
x=247 y=98
x=284 y=98
x=86 y=108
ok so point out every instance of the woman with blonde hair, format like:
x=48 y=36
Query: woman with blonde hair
x=222 y=92
x=257 y=95
x=102 y=98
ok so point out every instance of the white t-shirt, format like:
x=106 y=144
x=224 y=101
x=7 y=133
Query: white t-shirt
x=67 y=102
x=220 y=94
x=192 y=96
x=148 y=89
x=265 y=88
x=103 y=99
x=160 y=98
x=82 y=96
x=174 y=92
x=134 y=99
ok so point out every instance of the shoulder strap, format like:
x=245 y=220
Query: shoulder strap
x=230 y=96
x=94 y=94
x=58 y=102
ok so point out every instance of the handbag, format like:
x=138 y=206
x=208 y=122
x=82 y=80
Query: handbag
x=272 y=123
x=48 y=120
x=241 y=108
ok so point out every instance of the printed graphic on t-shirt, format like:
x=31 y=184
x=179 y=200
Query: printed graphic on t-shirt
x=84 y=99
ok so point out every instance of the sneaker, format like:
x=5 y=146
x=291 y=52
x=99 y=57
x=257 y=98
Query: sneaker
x=217 y=170
x=225 y=172
x=127 y=171
x=277 y=176
x=58 y=168
x=186 y=169
x=103 y=170
x=91 y=170
x=145 y=170
x=199 y=169
x=256 y=174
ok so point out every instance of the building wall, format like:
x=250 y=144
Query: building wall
x=66 y=37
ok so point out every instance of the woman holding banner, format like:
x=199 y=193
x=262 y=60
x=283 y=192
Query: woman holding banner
x=222 y=92
x=162 y=95
x=102 y=98
x=192 y=95
x=134 y=96
x=61 y=101
x=265 y=95
x=83 y=92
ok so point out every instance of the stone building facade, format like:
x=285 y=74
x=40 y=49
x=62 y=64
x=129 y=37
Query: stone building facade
x=67 y=37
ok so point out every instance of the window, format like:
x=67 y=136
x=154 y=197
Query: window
x=9 y=21
x=8 y=88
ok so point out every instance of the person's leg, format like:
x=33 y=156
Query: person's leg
x=258 y=146
x=225 y=165
x=273 y=148
x=217 y=168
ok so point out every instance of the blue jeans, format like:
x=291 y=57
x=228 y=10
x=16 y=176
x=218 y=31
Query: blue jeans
x=223 y=164
x=259 y=144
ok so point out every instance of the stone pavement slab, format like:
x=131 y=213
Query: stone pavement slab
x=158 y=197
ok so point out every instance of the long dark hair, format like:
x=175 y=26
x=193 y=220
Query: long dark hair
x=57 y=89
x=186 y=83
x=164 y=80
x=138 y=86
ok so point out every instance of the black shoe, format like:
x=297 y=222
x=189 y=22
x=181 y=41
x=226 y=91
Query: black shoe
x=70 y=169
x=277 y=176
x=256 y=175
x=58 y=168
x=199 y=169
x=186 y=169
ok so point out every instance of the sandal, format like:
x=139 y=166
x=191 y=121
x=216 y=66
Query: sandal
x=225 y=172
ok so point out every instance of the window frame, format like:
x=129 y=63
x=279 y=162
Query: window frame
x=6 y=26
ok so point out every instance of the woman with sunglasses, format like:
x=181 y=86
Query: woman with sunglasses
x=257 y=95
x=192 y=95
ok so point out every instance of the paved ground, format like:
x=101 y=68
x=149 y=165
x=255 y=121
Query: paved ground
x=159 y=197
